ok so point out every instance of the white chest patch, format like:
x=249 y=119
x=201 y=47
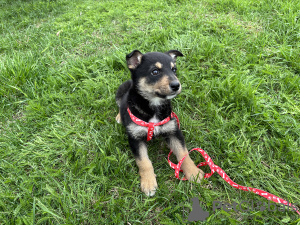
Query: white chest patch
x=154 y=119
x=156 y=101
x=156 y=128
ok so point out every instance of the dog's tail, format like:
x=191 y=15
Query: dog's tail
x=122 y=90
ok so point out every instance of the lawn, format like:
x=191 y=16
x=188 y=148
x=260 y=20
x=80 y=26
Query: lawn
x=65 y=160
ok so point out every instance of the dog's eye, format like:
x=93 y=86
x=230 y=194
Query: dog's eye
x=155 y=72
x=174 y=69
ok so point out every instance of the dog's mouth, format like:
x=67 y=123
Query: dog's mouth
x=167 y=96
x=171 y=96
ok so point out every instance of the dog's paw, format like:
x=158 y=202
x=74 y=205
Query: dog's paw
x=118 y=118
x=149 y=185
x=194 y=174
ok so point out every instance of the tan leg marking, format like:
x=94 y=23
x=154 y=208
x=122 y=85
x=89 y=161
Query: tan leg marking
x=131 y=66
x=118 y=118
x=146 y=171
x=190 y=170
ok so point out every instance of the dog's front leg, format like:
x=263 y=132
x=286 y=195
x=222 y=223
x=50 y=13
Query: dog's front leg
x=146 y=171
x=177 y=145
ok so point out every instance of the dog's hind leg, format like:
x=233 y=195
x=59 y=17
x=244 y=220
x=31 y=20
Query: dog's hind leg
x=118 y=118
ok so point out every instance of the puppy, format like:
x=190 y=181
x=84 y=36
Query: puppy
x=146 y=99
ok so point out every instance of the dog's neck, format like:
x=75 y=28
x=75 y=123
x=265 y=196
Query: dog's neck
x=144 y=110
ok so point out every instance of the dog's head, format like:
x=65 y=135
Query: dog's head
x=154 y=74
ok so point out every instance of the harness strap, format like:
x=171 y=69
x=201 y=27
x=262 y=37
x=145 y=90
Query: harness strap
x=151 y=126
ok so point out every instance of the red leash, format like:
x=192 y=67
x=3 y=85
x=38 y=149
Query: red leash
x=208 y=161
x=214 y=168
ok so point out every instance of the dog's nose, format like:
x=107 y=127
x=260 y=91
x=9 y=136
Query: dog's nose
x=175 y=85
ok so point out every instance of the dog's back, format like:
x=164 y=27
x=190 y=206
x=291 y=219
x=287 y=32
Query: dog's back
x=122 y=90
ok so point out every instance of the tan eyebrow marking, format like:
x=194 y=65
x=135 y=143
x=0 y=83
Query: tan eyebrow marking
x=172 y=65
x=158 y=65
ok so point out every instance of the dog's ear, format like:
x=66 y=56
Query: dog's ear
x=174 y=54
x=134 y=59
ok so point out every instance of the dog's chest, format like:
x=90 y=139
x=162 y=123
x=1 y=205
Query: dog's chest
x=140 y=131
x=156 y=128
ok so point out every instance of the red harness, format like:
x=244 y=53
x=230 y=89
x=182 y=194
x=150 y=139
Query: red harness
x=208 y=161
x=151 y=125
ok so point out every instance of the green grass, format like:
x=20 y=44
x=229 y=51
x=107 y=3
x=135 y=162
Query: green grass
x=63 y=158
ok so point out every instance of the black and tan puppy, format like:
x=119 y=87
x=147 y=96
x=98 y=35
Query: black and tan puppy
x=147 y=95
